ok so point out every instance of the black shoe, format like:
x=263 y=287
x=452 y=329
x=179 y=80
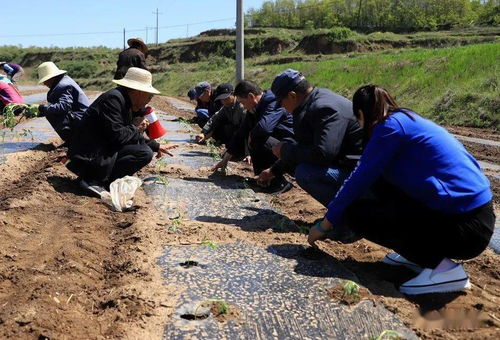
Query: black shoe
x=94 y=188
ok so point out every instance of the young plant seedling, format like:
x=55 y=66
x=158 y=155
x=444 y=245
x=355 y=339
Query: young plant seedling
x=214 y=151
x=217 y=306
x=204 y=243
x=26 y=133
x=387 y=335
x=351 y=291
x=175 y=225
x=163 y=180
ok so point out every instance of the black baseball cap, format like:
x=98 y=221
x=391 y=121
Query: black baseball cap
x=285 y=82
x=223 y=91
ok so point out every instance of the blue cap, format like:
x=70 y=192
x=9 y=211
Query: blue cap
x=285 y=82
x=201 y=87
x=192 y=94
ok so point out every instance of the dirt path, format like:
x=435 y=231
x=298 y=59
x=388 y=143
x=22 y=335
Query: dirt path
x=72 y=268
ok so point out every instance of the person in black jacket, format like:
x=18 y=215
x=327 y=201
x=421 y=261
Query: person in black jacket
x=326 y=132
x=266 y=124
x=134 y=56
x=110 y=142
x=206 y=105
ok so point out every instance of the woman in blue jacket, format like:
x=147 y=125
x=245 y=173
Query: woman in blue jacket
x=416 y=190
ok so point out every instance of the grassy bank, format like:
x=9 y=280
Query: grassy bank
x=458 y=86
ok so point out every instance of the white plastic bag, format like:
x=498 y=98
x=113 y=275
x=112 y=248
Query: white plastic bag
x=121 y=192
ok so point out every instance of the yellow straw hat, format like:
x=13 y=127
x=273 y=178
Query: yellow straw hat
x=137 y=79
x=48 y=70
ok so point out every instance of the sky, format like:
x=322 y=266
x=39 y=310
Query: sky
x=49 y=23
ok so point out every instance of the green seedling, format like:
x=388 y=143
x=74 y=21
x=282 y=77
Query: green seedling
x=204 y=243
x=175 y=225
x=9 y=118
x=163 y=180
x=26 y=133
x=387 y=335
x=184 y=122
x=351 y=291
x=214 y=151
x=221 y=306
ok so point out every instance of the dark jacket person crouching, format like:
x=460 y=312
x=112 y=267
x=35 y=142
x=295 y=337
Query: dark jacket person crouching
x=110 y=142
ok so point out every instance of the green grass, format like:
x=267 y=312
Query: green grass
x=458 y=85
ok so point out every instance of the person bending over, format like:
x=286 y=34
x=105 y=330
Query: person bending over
x=326 y=134
x=266 y=124
x=110 y=142
x=67 y=102
x=416 y=190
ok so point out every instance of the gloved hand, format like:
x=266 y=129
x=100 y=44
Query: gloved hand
x=32 y=111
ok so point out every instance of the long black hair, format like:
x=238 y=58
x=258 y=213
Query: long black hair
x=374 y=101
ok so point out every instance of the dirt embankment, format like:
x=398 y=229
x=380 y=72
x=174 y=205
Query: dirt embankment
x=70 y=267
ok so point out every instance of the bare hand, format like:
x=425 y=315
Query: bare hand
x=315 y=234
x=200 y=138
x=277 y=150
x=164 y=149
x=141 y=123
x=248 y=160
x=265 y=178
x=221 y=165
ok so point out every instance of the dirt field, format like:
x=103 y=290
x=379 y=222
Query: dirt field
x=72 y=268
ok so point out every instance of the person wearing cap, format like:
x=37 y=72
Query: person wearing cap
x=206 y=105
x=191 y=94
x=67 y=102
x=134 y=56
x=13 y=71
x=417 y=191
x=110 y=142
x=224 y=123
x=326 y=133
x=266 y=124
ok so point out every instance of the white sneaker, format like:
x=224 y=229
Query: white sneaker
x=397 y=260
x=453 y=280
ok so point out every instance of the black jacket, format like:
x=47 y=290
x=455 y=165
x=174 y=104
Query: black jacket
x=269 y=119
x=131 y=57
x=106 y=127
x=325 y=131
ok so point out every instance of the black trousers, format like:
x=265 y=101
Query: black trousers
x=130 y=159
x=105 y=169
x=389 y=217
x=262 y=155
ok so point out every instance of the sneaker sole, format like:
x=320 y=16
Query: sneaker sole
x=415 y=268
x=445 y=287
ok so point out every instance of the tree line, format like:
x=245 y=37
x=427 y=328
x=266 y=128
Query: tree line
x=375 y=15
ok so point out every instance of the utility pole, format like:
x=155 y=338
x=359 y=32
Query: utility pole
x=240 y=42
x=147 y=30
x=157 y=13
x=124 y=38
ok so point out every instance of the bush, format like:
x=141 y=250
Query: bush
x=339 y=33
x=79 y=69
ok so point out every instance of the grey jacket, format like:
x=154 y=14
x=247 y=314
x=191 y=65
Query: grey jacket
x=233 y=115
x=67 y=103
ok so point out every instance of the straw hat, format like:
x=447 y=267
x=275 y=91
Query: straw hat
x=48 y=70
x=139 y=41
x=137 y=79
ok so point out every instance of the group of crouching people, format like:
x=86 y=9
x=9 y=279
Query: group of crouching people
x=383 y=172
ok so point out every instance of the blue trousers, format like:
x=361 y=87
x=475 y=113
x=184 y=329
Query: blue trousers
x=321 y=182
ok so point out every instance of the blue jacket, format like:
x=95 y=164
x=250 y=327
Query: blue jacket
x=422 y=159
x=269 y=119
x=67 y=103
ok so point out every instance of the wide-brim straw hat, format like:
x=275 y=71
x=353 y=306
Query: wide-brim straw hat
x=137 y=79
x=48 y=70
x=140 y=42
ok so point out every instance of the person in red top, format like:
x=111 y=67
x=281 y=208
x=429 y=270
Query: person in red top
x=9 y=95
